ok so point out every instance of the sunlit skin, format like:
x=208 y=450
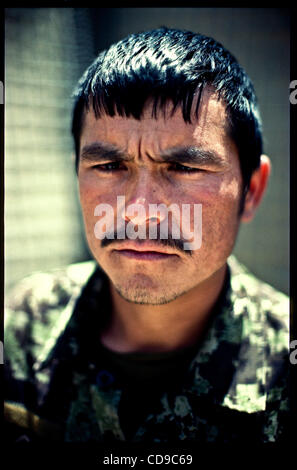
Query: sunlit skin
x=161 y=302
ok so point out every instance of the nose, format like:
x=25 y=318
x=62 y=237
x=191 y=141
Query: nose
x=144 y=200
x=141 y=212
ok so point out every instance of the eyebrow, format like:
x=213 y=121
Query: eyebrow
x=104 y=151
x=194 y=155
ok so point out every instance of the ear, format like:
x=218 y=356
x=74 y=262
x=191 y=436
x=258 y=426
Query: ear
x=258 y=184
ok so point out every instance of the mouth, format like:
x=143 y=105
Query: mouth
x=144 y=251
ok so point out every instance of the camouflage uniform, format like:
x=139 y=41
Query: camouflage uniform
x=235 y=387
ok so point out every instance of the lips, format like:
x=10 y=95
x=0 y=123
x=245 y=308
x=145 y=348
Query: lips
x=144 y=251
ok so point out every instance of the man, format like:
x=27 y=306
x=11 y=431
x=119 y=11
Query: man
x=170 y=338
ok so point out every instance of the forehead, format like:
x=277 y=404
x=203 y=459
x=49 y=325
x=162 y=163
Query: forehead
x=165 y=131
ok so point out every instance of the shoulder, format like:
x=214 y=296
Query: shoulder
x=265 y=313
x=36 y=308
x=47 y=289
x=40 y=292
x=260 y=302
x=261 y=378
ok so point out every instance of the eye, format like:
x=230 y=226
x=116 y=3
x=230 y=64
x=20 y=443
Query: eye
x=109 y=167
x=184 y=169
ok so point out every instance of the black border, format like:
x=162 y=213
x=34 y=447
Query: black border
x=293 y=229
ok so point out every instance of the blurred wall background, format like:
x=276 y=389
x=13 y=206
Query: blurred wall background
x=46 y=51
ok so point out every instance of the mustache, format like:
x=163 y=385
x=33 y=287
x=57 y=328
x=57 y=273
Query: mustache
x=171 y=242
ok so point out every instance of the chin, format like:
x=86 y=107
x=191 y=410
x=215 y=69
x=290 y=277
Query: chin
x=146 y=292
x=143 y=297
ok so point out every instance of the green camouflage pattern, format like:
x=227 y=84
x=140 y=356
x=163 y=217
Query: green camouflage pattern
x=236 y=388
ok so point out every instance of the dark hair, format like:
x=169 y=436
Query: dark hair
x=169 y=64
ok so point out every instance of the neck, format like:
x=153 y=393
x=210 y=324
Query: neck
x=156 y=328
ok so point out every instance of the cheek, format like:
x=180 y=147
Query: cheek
x=215 y=192
x=220 y=208
x=230 y=189
x=89 y=199
x=99 y=206
x=93 y=192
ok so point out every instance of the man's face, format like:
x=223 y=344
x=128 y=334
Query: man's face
x=148 y=170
